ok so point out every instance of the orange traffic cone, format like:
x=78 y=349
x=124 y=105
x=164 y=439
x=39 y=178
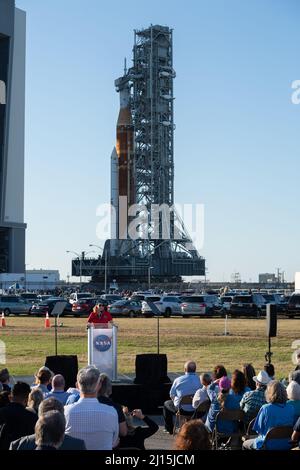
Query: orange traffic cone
x=47 y=321
x=3 y=324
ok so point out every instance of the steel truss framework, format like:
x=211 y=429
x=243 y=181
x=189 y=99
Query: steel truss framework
x=152 y=107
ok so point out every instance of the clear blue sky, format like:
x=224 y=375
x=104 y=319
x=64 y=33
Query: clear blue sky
x=237 y=131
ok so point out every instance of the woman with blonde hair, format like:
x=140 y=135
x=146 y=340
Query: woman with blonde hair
x=276 y=412
x=35 y=398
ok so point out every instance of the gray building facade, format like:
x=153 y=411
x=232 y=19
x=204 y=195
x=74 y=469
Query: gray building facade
x=12 y=124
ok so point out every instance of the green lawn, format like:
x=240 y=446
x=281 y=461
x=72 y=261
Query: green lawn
x=28 y=342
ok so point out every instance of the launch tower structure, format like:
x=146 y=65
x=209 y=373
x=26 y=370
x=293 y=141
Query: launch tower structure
x=142 y=169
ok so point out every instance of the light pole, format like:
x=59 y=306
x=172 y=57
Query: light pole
x=105 y=265
x=149 y=277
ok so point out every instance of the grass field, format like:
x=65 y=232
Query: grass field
x=28 y=342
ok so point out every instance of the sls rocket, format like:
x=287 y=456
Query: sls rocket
x=122 y=183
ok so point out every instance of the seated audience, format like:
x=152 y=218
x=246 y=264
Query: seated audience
x=28 y=442
x=4 y=399
x=58 y=389
x=89 y=420
x=43 y=380
x=249 y=373
x=104 y=397
x=293 y=394
x=218 y=372
x=297 y=360
x=270 y=370
x=277 y=412
x=296 y=434
x=135 y=436
x=238 y=385
x=186 y=384
x=50 y=431
x=15 y=420
x=201 y=394
x=4 y=380
x=74 y=395
x=252 y=401
x=295 y=376
x=35 y=398
x=192 y=436
x=221 y=400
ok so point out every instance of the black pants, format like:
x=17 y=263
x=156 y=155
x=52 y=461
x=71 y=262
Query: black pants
x=169 y=411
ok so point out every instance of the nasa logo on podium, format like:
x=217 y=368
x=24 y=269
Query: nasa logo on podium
x=102 y=343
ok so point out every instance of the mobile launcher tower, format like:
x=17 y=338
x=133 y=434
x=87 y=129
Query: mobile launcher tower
x=142 y=176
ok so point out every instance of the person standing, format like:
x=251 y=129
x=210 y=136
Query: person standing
x=100 y=314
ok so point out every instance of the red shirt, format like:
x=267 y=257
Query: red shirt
x=105 y=317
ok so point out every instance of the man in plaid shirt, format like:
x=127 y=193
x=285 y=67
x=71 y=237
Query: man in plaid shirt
x=253 y=401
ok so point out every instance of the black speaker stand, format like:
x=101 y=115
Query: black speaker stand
x=269 y=354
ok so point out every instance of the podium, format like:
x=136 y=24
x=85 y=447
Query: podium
x=103 y=348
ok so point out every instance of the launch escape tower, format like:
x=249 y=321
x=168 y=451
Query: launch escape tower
x=142 y=172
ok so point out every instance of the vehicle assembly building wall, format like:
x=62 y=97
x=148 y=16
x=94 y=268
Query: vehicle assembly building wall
x=12 y=123
x=14 y=200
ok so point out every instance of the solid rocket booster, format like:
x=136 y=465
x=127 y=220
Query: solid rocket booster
x=122 y=185
x=114 y=200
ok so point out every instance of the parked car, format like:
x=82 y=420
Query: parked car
x=226 y=302
x=29 y=297
x=202 y=305
x=248 y=305
x=13 y=304
x=293 y=306
x=128 y=308
x=75 y=296
x=139 y=296
x=110 y=298
x=278 y=300
x=42 y=308
x=40 y=298
x=169 y=305
x=84 y=306
x=147 y=305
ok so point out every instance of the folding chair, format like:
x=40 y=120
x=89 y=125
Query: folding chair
x=250 y=433
x=237 y=416
x=276 y=433
x=182 y=415
x=201 y=410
